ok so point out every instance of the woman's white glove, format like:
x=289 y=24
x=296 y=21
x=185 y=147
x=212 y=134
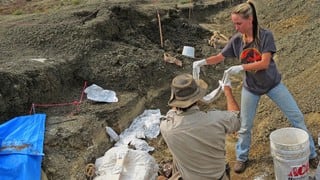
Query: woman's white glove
x=234 y=69
x=196 y=68
x=199 y=63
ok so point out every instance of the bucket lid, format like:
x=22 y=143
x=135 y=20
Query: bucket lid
x=188 y=51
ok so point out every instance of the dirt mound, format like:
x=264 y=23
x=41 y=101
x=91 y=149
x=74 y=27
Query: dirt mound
x=117 y=45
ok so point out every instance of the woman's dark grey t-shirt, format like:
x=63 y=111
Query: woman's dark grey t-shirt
x=257 y=82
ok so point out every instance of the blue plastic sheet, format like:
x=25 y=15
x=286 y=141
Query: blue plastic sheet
x=21 y=149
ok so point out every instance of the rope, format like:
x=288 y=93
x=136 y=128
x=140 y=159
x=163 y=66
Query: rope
x=75 y=103
x=90 y=170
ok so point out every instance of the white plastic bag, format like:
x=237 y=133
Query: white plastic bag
x=145 y=126
x=98 y=94
x=121 y=163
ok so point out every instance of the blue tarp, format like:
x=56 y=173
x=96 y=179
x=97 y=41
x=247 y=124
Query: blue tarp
x=21 y=149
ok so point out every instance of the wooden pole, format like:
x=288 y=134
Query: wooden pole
x=190 y=8
x=160 y=29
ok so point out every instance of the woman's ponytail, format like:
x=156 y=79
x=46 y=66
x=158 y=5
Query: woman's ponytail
x=255 y=24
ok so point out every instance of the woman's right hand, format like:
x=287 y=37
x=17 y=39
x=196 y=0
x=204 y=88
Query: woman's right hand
x=196 y=68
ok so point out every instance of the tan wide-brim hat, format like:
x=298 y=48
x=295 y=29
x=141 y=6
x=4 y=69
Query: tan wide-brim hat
x=185 y=91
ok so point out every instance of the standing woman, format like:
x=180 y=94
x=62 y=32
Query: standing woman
x=255 y=48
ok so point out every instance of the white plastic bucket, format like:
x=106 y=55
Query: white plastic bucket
x=290 y=151
x=188 y=51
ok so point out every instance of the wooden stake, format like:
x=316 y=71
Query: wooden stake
x=190 y=8
x=160 y=29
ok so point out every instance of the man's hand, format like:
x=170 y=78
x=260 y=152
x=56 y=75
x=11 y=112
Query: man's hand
x=226 y=82
x=234 y=69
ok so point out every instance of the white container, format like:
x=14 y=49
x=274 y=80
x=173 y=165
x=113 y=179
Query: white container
x=290 y=151
x=188 y=51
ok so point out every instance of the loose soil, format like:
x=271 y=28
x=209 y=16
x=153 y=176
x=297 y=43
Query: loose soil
x=117 y=45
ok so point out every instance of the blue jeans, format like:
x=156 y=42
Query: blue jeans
x=249 y=102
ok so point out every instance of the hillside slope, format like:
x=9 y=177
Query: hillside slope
x=116 y=45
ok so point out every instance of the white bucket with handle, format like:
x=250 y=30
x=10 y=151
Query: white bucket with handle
x=290 y=151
